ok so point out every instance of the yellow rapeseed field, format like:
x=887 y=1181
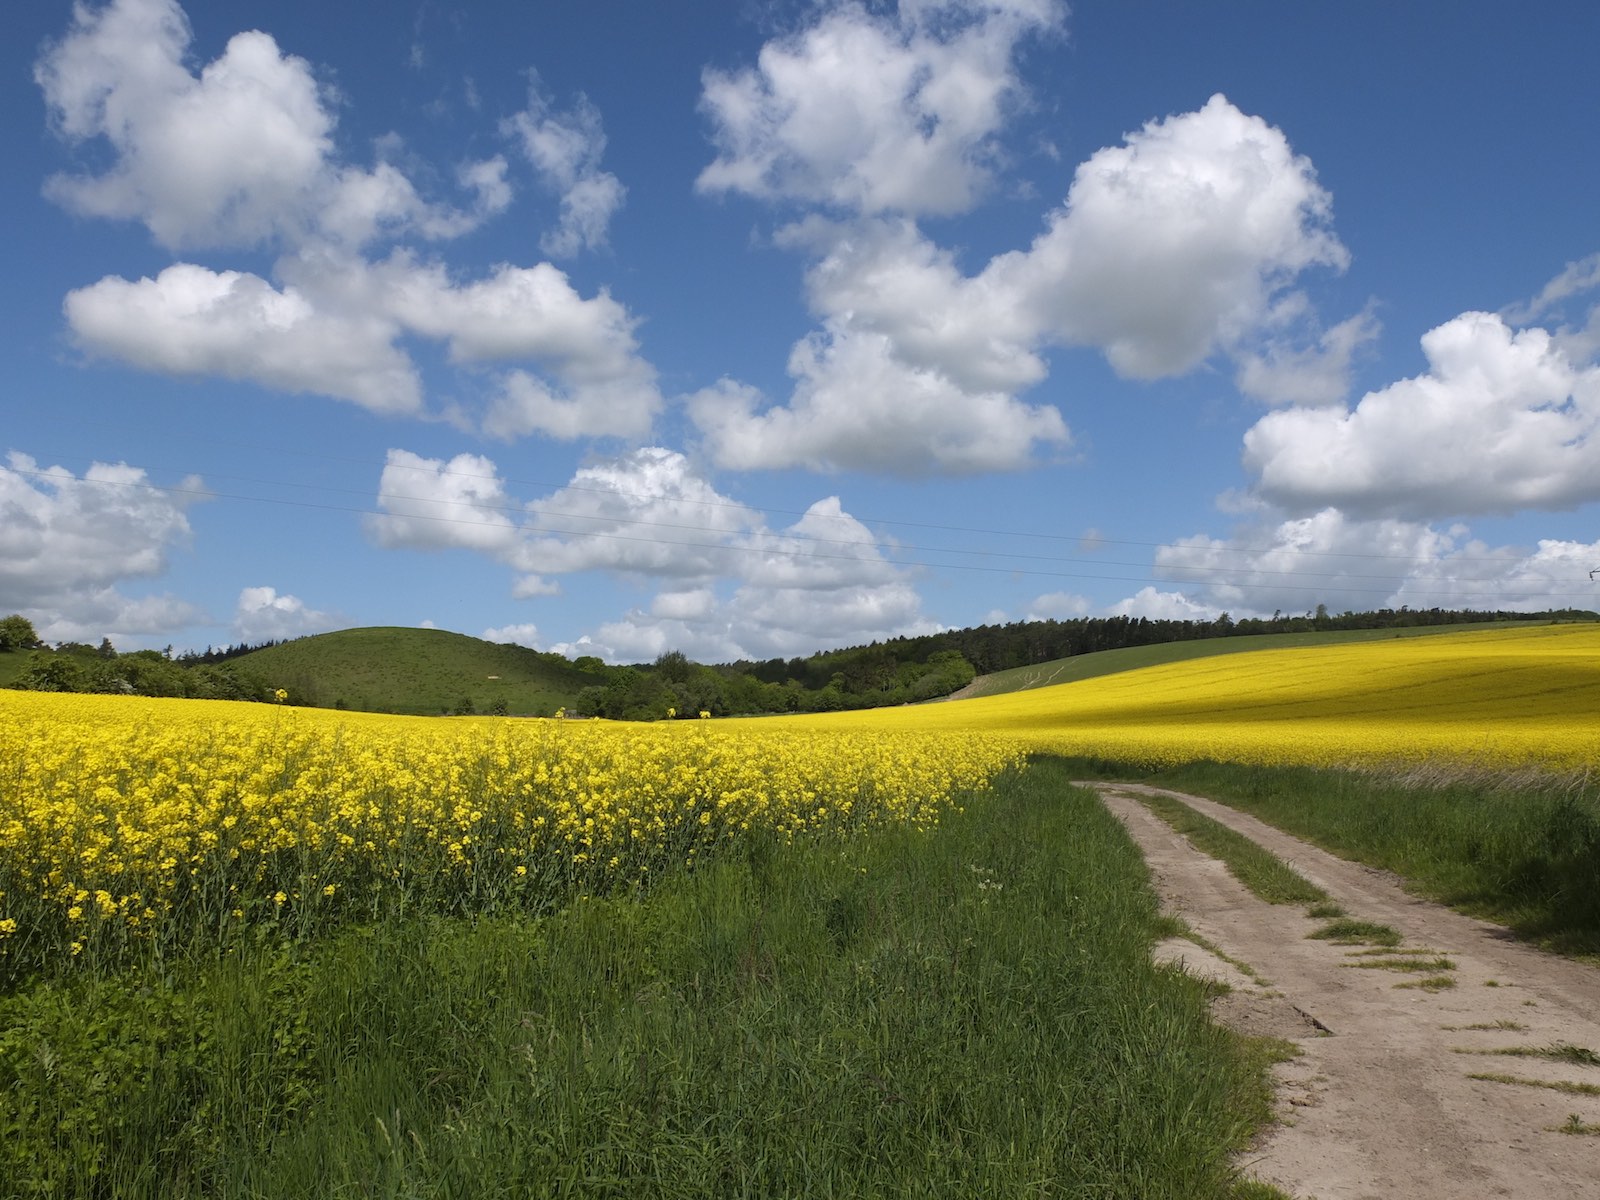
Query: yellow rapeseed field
x=125 y=819
x=136 y=822
x=1501 y=698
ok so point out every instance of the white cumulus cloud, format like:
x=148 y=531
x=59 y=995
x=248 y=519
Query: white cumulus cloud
x=1553 y=574
x=516 y=635
x=729 y=585
x=1282 y=372
x=263 y=614
x=1058 y=606
x=241 y=154
x=430 y=504
x=1293 y=564
x=757 y=623
x=1502 y=420
x=857 y=406
x=336 y=327
x=566 y=148
x=695 y=604
x=874 y=112
x=67 y=541
x=1163 y=606
x=189 y=320
x=647 y=513
x=1172 y=246
x=1182 y=243
x=826 y=549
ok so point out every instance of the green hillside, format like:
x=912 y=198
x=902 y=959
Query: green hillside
x=1108 y=662
x=12 y=663
x=423 y=671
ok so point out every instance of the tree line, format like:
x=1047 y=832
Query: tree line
x=675 y=686
x=901 y=670
x=906 y=670
x=80 y=667
x=991 y=648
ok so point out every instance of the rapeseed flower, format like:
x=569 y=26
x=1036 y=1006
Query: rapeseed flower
x=134 y=820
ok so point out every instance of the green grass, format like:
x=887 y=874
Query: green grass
x=1565 y=1052
x=1403 y=963
x=1176 y=927
x=1575 y=1124
x=970 y=1011
x=1390 y=951
x=1254 y=1189
x=1264 y=873
x=1558 y=1085
x=1486 y=1026
x=424 y=671
x=1132 y=658
x=1350 y=932
x=1523 y=851
x=12 y=664
x=1429 y=983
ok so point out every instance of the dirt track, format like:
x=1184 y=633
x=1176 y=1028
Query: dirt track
x=1379 y=1105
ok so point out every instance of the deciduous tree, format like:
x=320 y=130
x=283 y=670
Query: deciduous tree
x=17 y=633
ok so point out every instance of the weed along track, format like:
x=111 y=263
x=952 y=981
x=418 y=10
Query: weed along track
x=1438 y=1057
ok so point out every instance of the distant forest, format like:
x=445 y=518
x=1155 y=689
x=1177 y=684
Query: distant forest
x=210 y=656
x=991 y=648
x=897 y=671
x=80 y=667
x=911 y=669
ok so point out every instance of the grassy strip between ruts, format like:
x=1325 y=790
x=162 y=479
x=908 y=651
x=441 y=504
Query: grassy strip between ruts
x=969 y=1010
x=1263 y=872
x=1522 y=849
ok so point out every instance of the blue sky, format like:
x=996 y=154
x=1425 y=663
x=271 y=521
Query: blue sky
x=750 y=330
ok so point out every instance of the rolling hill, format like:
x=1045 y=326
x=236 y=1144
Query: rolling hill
x=421 y=671
x=1109 y=662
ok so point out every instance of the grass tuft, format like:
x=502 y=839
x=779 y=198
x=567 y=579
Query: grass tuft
x=1263 y=872
x=1575 y=1124
x=1557 y=1052
x=1350 y=932
x=1238 y=964
x=1558 y=1085
x=1487 y=1026
x=1391 y=951
x=1430 y=983
x=1254 y=1189
x=1408 y=963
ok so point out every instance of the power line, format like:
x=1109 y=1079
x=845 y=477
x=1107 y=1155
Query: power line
x=880 y=545
x=778 y=551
